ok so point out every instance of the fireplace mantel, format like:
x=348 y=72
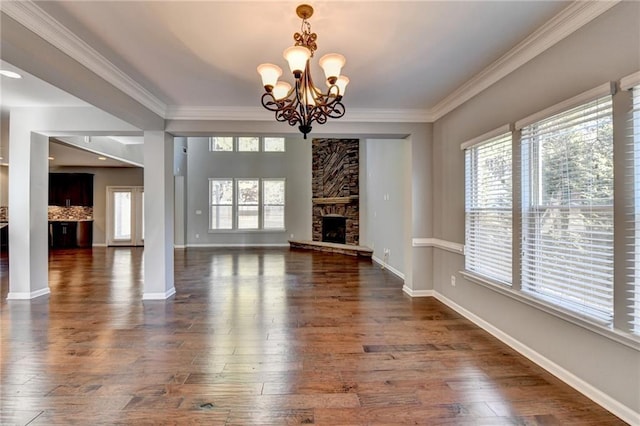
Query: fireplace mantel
x=335 y=200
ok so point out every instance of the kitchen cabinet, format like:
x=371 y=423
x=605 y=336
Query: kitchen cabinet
x=63 y=234
x=70 y=233
x=71 y=189
x=84 y=233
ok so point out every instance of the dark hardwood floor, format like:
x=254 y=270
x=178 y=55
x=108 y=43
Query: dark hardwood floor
x=259 y=336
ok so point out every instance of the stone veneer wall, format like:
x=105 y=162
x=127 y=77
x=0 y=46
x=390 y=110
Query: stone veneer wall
x=335 y=184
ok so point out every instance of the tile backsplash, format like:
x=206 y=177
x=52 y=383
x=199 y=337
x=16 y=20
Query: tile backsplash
x=70 y=213
x=58 y=213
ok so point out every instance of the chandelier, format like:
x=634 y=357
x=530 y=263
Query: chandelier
x=304 y=103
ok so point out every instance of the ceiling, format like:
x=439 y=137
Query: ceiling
x=402 y=56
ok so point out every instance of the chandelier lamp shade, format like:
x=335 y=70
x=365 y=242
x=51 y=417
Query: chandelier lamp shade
x=304 y=103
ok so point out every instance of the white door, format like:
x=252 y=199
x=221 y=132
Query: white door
x=125 y=213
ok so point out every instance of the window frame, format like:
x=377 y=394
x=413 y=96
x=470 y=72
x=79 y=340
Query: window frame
x=212 y=205
x=477 y=260
x=619 y=330
x=235 y=211
x=545 y=224
x=261 y=145
x=263 y=203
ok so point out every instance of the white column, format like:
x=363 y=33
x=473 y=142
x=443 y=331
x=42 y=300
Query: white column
x=28 y=199
x=158 y=216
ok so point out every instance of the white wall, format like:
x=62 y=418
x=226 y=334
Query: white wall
x=294 y=165
x=384 y=185
x=604 y=50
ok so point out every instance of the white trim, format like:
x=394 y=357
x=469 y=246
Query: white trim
x=159 y=296
x=630 y=81
x=625 y=413
x=44 y=25
x=569 y=20
x=236 y=245
x=179 y=246
x=99 y=245
x=418 y=293
x=590 y=95
x=487 y=136
x=438 y=243
x=28 y=296
x=388 y=267
x=177 y=112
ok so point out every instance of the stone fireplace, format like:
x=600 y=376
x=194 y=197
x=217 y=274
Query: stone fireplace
x=335 y=189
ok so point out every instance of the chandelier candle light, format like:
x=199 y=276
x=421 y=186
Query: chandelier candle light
x=304 y=103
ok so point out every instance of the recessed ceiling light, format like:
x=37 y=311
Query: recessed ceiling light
x=10 y=74
x=102 y=158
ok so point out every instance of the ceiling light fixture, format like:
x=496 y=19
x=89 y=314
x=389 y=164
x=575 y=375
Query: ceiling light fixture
x=304 y=103
x=10 y=74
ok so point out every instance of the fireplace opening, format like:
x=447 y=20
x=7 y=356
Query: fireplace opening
x=334 y=229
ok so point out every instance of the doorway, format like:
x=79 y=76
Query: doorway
x=125 y=216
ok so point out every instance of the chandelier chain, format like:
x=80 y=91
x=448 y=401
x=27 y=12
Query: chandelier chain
x=305 y=37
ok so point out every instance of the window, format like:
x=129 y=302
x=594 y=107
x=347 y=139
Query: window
x=221 y=200
x=273 y=145
x=488 y=206
x=567 y=209
x=247 y=204
x=246 y=144
x=273 y=203
x=248 y=195
x=221 y=143
x=251 y=144
x=632 y=212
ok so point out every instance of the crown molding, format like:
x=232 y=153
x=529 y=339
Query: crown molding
x=44 y=25
x=176 y=112
x=569 y=20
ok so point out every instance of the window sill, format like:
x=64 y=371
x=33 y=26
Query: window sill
x=618 y=336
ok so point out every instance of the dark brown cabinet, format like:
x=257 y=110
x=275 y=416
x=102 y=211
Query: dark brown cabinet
x=63 y=234
x=71 y=189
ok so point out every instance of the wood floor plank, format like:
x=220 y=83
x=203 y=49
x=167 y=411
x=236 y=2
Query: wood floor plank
x=259 y=337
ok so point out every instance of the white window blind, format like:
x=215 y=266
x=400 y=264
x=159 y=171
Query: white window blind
x=567 y=210
x=633 y=183
x=488 y=208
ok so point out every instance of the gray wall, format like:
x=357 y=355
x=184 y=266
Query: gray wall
x=103 y=177
x=599 y=52
x=384 y=195
x=294 y=165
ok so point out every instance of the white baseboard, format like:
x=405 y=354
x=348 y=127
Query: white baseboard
x=388 y=267
x=28 y=296
x=159 y=296
x=179 y=246
x=99 y=245
x=625 y=413
x=204 y=245
x=418 y=293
